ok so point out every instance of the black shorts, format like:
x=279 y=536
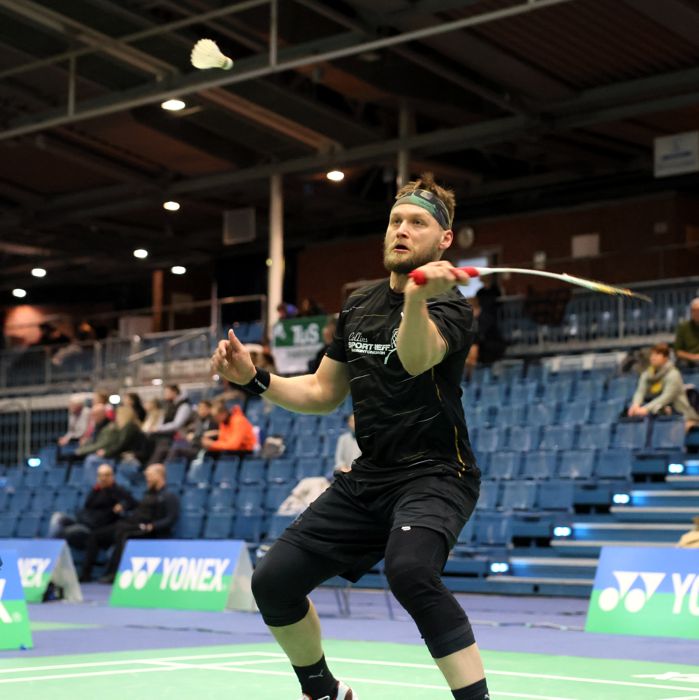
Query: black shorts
x=351 y=521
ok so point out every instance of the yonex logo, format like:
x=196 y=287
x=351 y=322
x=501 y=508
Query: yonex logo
x=634 y=599
x=142 y=568
x=31 y=571
x=5 y=617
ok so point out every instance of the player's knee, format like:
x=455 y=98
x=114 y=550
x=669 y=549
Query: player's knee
x=409 y=577
x=279 y=604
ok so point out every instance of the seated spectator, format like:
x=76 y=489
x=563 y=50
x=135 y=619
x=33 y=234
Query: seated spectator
x=178 y=410
x=154 y=416
x=661 y=389
x=687 y=338
x=286 y=310
x=235 y=432
x=78 y=419
x=304 y=493
x=93 y=438
x=310 y=307
x=133 y=400
x=102 y=507
x=154 y=517
x=347 y=449
x=202 y=422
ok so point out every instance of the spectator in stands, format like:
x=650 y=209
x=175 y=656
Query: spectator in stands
x=50 y=335
x=347 y=449
x=177 y=411
x=78 y=420
x=286 y=310
x=102 y=412
x=102 y=507
x=687 y=338
x=154 y=416
x=92 y=438
x=133 y=400
x=235 y=432
x=303 y=494
x=310 y=307
x=661 y=389
x=202 y=422
x=154 y=517
x=327 y=333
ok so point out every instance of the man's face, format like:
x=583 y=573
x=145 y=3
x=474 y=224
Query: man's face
x=413 y=238
x=169 y=394
x=694 y=312
x=203 y=410
x=657 y=359
x=221 y=414
x=153 y=476
x=105 y=476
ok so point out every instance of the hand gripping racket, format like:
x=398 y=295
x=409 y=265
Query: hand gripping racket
x=418 y=276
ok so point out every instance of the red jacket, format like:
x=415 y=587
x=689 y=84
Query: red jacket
x=236 y=433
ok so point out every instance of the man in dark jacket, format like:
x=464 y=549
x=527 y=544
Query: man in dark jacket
x=153 y=517
x=102 y=507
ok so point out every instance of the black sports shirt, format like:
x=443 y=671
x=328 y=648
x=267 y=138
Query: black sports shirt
x=405 y=425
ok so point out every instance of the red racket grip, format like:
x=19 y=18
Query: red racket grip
x=418 y=276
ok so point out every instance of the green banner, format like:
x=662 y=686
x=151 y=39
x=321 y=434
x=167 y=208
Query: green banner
x=296 y=341
x=14 y=620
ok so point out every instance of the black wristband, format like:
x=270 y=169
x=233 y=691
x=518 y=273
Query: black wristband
x=259 y=383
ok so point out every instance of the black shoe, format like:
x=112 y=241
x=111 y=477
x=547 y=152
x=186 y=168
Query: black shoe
x=109 y=578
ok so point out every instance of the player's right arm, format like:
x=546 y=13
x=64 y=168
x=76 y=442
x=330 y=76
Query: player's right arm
x=321 y=392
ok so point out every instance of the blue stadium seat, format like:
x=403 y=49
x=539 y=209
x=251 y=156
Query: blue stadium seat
x=252 y=471
x=614 y=464
x=194 y=499
x=221 y=499
x=483 y=462
x=328 y=445
x=607 y=411
x=524 y=392
x=4 y=500
x=248 y=527
x=306 y=425
x=56 y=477
x=307 y=446
x=255 y=411
x=280 y=424
x=593 y=437
x=218 y=525
x=577 y=464
x=557 y=437
x=556 y=495
x=189 y=525
x=468 y=532
x=511 y=415
x=523 y=438
x=28 y=525
x=541 y=413
x=276 y=495
x=226 y=471
x=334 y=422
x=278 y=524
x=42 y=501
x=309 y=466
x=199 y=472
x=630 y=434
x=281 y=471
x=589 y=390
x=490 y=439
x=505 y=465
x=176 y=469
x=519 y=495
x=7 y=525
x=557 y=389
x=476 y=415
x=493 y=529
x=20 y=500
x=34 y=477
x=622 y=388
x=249 y=498
x=66 y=500
x=667 y=434
x=575 y=413
x=489 y=498
x=540 y=464
x=491 y=395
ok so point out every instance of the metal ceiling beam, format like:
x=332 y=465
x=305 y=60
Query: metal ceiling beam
x=679 y=18
x=250 y=69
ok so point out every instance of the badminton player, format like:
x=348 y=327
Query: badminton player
x=399 y=349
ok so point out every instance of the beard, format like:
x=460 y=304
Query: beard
x=405 y=263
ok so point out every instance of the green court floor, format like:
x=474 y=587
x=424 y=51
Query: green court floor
x=377 y=671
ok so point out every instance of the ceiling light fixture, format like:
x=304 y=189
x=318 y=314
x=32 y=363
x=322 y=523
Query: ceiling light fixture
x=335 y=175
x=140 y=253
x=171 y=206
x=173 y=105
x=38 y=272
x=178 y=269
x=19 y=293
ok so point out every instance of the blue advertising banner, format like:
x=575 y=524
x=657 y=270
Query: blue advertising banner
x=184 y=575
x=646 y=591
x=41 y=562
x=14 y=620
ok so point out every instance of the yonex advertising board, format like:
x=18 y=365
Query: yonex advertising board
x=41 y=562
x=646 y=591
x=184 y=575
x=14 y=620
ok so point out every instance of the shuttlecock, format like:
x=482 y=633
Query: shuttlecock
x=206 y=54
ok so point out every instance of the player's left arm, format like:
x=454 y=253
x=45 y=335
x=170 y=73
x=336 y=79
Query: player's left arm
x=420 y=345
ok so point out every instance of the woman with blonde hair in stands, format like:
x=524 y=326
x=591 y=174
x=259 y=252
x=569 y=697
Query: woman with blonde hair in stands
x=154 y=416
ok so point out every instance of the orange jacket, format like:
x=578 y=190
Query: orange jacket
x=235 y=434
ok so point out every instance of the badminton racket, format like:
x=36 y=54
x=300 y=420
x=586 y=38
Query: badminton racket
x=418 y=276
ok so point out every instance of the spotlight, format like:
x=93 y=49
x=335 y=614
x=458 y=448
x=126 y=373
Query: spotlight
x=335 y=175
x=19 y=293
x=675 y=468
x=157 y=382
x=114 y=399
x=140 y=253
x=173 y=105
x=178 y=269
x=34 y=462
x=499 y=567
x=621 y=499
x=171 y=206
x=562 y=531
x=39 y=272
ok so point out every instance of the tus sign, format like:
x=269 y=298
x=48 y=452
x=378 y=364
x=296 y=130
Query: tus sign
x=178 y=574
x=646 y=591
